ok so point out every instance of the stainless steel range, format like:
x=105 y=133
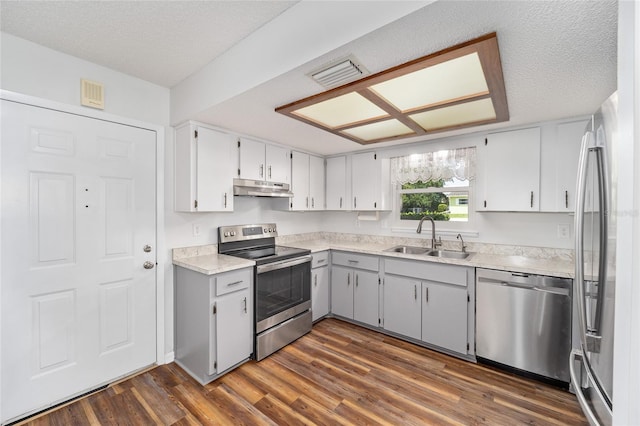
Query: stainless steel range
x=282 y=278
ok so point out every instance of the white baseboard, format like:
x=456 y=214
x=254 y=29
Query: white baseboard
x=169 y=357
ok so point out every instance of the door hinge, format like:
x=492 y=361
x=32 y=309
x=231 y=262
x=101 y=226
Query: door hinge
x=195 y=134
x=215 y=309
x=486 y=141
x=195 y=204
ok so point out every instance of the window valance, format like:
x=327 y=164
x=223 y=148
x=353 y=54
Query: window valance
x=447 y=164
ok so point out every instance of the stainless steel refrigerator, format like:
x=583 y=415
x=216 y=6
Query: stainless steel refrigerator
x=595 y=280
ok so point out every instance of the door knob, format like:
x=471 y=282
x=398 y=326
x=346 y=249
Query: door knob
x=148 y=265
x=146 y=248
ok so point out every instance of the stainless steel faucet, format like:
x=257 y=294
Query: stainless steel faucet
x=434 y=243
x=464 y=248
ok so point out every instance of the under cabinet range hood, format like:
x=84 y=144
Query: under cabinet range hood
x=258 y=188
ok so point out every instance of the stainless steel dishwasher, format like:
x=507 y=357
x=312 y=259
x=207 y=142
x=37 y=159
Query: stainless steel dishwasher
x=524 y=321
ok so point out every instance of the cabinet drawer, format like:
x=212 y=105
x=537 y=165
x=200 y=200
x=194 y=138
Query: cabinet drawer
x=230 y=281
x=439 y=272
x=354 y=260
x=319 y=259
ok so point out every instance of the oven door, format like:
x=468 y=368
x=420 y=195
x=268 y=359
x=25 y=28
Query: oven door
x=283 y=290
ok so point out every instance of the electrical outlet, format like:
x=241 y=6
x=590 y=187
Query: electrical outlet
x=563 y=231
x=196 y=229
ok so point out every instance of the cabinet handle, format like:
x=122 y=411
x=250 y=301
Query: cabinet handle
x=531 y=199
x=322 y=260
x=566 y=199
x=315 y=281
x=261 y=170
x=427 y=293
x=269 y=172
x=353 y=261
x=340 y=202
x=225 y=200
x=245 y=305
x=415 y=292
x=349 y=279
x=234 y=283
x=356 y=280
x=313 y=203
x=355 y=202
x=307 y=202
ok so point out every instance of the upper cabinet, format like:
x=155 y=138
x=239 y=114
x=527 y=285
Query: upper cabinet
x=205 y=165
x=511 y=174
x=337 y=196
x=370 y=184
x=307 y=182
x=559 y=165
x=265 y=162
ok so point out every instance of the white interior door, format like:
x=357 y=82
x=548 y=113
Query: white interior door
x=78 y=209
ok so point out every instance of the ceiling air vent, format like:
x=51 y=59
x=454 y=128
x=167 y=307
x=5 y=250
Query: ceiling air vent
x=337 y=73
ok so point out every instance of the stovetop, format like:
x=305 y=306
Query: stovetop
x=262 y=255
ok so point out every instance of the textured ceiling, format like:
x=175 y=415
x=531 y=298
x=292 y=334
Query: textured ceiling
x=159 y=41
x=558 y=57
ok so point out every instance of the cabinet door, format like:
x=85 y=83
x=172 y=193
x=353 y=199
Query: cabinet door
x=278 y=164
x=512 y=171
x=234 y=339
x=316 y=182
x=559 y=166
x=215 y=169
x=444 y=316
x=342 y=292
x=319 y=292
x=300 y=181
x=365 y=181
x=365 y=297
x=336 y=191
x=252 y=164
x=402 y=308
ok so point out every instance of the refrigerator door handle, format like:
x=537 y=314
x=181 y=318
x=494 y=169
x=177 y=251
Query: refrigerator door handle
x=579 y=234
x=603 y=189
x=576 y=356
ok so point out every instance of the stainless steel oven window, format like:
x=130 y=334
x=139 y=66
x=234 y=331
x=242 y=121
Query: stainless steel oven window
x=281 y=286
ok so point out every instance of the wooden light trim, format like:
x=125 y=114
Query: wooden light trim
x=486 y=48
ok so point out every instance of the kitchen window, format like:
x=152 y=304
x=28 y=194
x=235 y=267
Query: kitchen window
x=436 y=184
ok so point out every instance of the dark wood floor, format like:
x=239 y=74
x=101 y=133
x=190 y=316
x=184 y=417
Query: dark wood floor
x=339 y=374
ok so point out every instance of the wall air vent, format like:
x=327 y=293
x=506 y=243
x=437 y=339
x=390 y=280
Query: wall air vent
x=337 y=73
x=92 y=94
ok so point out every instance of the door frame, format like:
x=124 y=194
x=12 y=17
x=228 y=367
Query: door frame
x=160 y=240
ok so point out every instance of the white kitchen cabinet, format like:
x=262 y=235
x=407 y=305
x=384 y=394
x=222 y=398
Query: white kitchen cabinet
x=336 y=190
x=307 y=182
x=560 y=149
x=444 y=315
x=342 y=291
x=402 y=306
x=319 y=285
x=214 y=321
x=265 y=162
x=354 y=287
x=511 y=171
x=430 y=302
x=316 y=182
x=370 y=185
x=205 y=165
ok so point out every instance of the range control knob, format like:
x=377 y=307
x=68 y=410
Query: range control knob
x=226 y=234
x=265 y=230
x=233 y=233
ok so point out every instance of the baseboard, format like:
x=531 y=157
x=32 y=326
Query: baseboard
x=169 y=357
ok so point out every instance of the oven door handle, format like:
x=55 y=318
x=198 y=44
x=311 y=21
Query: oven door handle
x=261 y=269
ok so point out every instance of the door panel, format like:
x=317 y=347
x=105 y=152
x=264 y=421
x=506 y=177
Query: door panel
x=78 y=206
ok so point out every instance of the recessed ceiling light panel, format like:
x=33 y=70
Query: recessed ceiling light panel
x=460 y=86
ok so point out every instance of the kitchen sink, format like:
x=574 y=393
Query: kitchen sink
x=408 y=250
x=448 y=254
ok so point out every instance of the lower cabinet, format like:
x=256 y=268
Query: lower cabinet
x=402 y=305
x=319 y=285
x=430 y=302
x=444 y=316
x=214 y=321
x=354 y=287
